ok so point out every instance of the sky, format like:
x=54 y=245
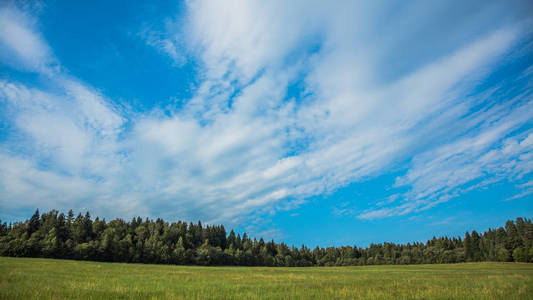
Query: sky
x=308 y=122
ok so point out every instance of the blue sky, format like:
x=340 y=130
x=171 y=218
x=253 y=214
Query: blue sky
x=310 y=122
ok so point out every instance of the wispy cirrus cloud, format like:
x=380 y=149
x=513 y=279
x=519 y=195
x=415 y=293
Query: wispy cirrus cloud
x=20 y=47
x=165 y=45
x=527 y=190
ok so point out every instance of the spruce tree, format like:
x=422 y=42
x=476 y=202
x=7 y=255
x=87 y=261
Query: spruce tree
x=34 y=223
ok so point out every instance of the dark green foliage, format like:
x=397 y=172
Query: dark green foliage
x=55 y=235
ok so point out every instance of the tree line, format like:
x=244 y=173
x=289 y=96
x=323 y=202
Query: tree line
x=56 y=235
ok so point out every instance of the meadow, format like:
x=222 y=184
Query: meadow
x=35 y=278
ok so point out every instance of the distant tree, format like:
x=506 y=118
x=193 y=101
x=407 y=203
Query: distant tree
x=520 y=255
x=503 y=254
x=53 y=234
x=469 y=250
x=34 y=223
x=513 y=238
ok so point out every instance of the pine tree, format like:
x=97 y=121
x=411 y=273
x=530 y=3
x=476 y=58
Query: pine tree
x=34 y=223
x=513 y=238
x=53 y=235
x=469 y=253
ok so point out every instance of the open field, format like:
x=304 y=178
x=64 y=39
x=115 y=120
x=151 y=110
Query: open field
x=31 y=278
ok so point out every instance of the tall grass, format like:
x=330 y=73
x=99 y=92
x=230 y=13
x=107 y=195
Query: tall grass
x=30 y=278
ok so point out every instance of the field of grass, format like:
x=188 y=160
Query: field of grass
x=31 y=278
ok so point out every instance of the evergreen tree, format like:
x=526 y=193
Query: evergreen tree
x=54 y=235
x=34 y=223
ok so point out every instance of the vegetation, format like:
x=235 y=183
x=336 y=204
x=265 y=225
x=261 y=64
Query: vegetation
x=54 y=235
x=32 y=278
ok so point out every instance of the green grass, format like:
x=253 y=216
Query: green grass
x=32 y=278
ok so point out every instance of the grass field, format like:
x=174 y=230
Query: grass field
x=30 y=278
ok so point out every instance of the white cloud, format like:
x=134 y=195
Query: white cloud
x=20 y=46
x=453 y=169
x=164 y=45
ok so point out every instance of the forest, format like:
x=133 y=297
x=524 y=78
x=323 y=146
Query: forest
x=56 y=235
